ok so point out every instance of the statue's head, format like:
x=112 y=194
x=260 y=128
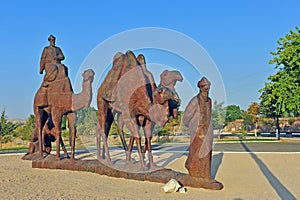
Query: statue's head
x=51 y=39
x=204 y=86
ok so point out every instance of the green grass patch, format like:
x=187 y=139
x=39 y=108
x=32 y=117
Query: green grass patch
x=246 y=140
x=14 y=149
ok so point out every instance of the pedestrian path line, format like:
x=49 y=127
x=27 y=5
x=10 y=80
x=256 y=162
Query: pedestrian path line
x=257 y=152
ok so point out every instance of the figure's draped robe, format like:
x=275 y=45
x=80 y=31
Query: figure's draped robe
x=197 y=117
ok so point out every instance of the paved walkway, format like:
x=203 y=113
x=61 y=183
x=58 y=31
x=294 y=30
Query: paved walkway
x=245 y=174
x=247 y=170
x=253 y=175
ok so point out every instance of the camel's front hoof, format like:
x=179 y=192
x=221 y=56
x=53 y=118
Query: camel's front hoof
x=153 y=166
x=128 y=159
x=109 y=163
x=143 y=167
x=72 y=159
x=57 y=158
x=41 y=157
x=100 y=159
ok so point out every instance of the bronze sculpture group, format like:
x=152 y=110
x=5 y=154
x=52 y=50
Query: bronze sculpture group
x=128 y=92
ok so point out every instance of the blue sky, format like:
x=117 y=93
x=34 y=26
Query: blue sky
x=237 y=35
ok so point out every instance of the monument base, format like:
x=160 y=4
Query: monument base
x=162 y=175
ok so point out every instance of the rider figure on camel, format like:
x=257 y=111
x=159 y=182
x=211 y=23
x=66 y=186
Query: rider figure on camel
x=50 y=59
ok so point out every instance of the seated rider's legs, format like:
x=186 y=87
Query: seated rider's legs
x=51 y=73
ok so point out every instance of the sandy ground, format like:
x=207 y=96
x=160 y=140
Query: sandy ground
x=245 y=176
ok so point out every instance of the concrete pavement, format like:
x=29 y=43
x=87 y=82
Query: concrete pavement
x=247 y=170
x=252 y=175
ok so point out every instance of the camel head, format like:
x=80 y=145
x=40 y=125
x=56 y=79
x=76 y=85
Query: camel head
x=178 y=76
x=169 y=78
x=88 y=75
x=162 y=94
x=165 y=105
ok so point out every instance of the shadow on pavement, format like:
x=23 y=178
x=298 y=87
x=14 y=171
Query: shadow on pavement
x=280 y=189
x=216 y=162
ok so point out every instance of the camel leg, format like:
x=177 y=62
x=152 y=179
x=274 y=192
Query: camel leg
x=72 y=126
x=56 y=119
x=121 y=132
x=151 y=161
x=58 y=138
x=108 y=122
x=98 y=141
x=148 y=135
x=102 y=112
x=63 y=147
x=33 y=139
x=139 y=147
x=102 y=127
x=39 y=123
x=145 y=147
x=142 y=122
x=100 y=135
x=129 y=150
x=135 y=135
x=105 y=149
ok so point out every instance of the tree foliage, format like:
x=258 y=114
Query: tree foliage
x=281 y=95
x=25 y=131
x=251 y=116
x=233 y=112
x=253 y=109
x=6 y=129
x=218 y=115
x=87 y=121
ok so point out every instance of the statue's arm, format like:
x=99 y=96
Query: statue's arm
x=60 y=55
x=190 y=111
x=43 y=61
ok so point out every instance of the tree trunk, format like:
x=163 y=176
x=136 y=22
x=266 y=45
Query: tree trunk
x=255 y=131
x=277 y=128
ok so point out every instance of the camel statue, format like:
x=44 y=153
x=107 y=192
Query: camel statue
x=135 y=102
x=58 y=99
x=122 y=91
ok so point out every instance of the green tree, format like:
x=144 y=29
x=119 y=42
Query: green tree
x=87 y=119
x=25 y=131
x=218 y=115
x=233 y=112
x=64 y=122
x=6 y=129
x=281 y=95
